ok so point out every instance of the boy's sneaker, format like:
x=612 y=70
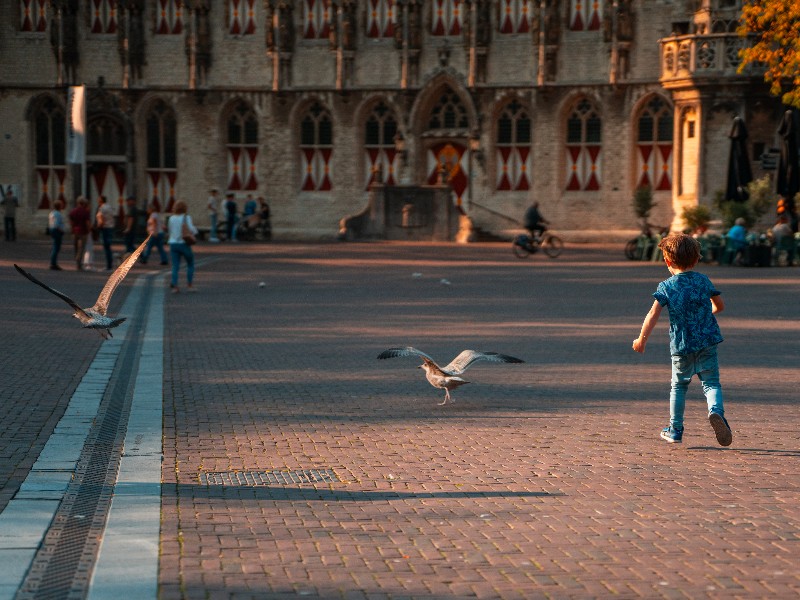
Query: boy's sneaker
x=672 y=435
x=721 y=428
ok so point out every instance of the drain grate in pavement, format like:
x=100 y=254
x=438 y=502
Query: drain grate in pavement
x=254 y=478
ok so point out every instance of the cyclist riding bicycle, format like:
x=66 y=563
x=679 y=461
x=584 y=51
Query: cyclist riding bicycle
x=535 y=223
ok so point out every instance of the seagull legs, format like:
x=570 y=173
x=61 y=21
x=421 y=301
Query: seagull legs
x=446 y=397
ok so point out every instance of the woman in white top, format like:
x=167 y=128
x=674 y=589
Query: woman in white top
x=178 y=248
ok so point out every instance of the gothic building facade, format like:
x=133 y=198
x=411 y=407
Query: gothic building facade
x=574 y=103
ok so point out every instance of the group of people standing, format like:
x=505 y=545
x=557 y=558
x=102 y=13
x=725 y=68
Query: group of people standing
x=86 y=229
x=255 y=215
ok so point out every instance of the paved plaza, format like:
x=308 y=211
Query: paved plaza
x=244 y=441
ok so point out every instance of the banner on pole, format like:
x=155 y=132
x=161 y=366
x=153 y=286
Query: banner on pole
x=76 y=124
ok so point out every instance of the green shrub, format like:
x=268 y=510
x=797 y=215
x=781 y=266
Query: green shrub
x=643 y=202
x=696 y=217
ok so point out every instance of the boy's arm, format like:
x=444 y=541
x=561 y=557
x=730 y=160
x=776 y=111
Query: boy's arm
x=718 y=304
x=647 y=327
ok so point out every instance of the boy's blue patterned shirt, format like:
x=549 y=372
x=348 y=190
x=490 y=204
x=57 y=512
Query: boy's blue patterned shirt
x=692 y=326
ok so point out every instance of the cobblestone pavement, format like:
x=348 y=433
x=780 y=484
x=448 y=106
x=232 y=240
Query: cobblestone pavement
x=545 y=479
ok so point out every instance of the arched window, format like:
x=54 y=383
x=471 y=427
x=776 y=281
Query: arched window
x=169 y=17
x=447 y=17
x=654 y=145
x=584 y=145
x=33 y=15
x=316 y=148
x=380 y=156
x=162 y=158
x=515 y=16
x=513 y=148
x=449 y=112
x=49 y=131
x=316 y=19
x=585 y=15
x=242 y=144
x=103 y=18
x=241 y=17
x=381 y=18
x=106 y=137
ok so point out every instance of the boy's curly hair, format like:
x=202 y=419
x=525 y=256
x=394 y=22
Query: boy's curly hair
x=682 y=250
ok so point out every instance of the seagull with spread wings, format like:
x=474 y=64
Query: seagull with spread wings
x=446 y=378
x=95 y=317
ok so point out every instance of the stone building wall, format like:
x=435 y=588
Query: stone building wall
x=242 y=70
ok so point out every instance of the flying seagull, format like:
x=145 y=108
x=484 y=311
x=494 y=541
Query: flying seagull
x=447 y=377
x=95 y=317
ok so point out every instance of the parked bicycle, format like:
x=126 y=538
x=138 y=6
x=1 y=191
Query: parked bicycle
x=642 y=247
x=524 y=245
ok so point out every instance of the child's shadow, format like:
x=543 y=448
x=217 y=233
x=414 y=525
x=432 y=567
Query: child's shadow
x=765 y=451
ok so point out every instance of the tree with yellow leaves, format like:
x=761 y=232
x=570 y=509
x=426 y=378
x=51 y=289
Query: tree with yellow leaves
x=776 y=27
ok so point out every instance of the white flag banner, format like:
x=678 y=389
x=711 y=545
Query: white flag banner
x=76 y=124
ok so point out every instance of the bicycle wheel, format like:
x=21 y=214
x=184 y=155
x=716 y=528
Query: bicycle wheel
x=632 y=251
x=519 y=250
x=552 y=245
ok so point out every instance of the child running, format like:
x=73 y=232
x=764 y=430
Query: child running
x=694 y=334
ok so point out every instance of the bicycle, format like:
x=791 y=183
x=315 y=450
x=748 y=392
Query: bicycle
x=643 y=246
x=524 y=245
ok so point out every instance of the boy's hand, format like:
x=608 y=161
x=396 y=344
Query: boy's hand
x=639 y=345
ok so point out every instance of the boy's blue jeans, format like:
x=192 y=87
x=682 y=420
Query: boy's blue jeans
x=704 y=364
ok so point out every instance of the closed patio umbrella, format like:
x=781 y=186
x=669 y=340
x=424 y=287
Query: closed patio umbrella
x=739 y=171
x=788 y=180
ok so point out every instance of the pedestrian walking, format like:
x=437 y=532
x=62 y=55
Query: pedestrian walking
x=230 y=214
x=178 y=247
x=155 y=229
x=129 y=233
x=694 y=334
x=81 y=221
x=56 y=228
x=10 y=204
x=105 y=218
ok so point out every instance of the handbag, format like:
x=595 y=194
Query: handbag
x=187 y=235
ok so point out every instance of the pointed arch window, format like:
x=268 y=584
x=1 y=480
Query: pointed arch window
x=316 y=19
x=584 y=146
x=449 y=112
x=33 y=16
x=316 y=149
x=242 y=146
x=585 y=15
x=381 y=160
x=381 y=18
x=447 y=17
x=241 y=17
x=50 y=145
x=654 y=134
x=162 y=157
x=513 y=148
x=103 y=18
x=169 y=17
x=515 y=16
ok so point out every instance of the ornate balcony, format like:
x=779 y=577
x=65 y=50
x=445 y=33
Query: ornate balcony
x=703 y=59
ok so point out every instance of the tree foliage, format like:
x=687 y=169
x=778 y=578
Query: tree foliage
x=776 y=27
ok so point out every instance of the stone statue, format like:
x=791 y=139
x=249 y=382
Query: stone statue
x=131 y=29
x=269 y=25
x=65 y=36
x=552 y=21
x=285 y=26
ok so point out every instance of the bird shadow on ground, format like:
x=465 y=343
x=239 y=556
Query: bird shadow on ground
x=764 y=451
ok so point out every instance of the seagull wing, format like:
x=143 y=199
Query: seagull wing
x=101 y=306
x=463 y=361
x=61 y=295
x=407 y=351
